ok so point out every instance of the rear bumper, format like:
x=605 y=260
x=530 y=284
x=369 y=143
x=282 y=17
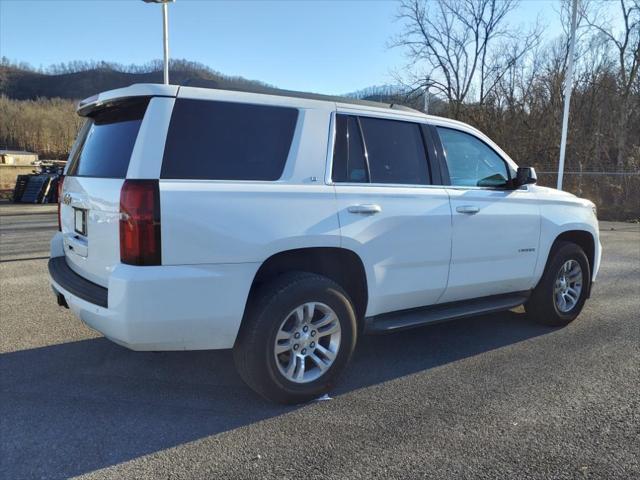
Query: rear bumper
x=73 y=283
x=183 y=307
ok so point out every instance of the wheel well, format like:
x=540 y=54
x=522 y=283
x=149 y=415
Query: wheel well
x=581 y=238
x=339 y=264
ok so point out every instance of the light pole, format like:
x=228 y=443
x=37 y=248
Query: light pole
x=427 y=97
x=567 y=93
x=165 y=35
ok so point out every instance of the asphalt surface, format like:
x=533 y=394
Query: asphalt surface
x=491 y=397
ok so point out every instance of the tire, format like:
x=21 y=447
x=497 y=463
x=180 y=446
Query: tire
x=545 y=305
x=278 y=312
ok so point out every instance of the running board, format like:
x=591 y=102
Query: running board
x=417 y=317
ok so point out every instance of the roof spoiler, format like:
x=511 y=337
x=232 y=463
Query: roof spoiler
x=90 y=104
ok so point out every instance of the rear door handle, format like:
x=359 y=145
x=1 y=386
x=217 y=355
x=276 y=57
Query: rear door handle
x=368 y=209
x=468 y=209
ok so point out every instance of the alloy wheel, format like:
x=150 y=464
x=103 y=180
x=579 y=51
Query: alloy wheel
x=568 y=286
x=307 y=342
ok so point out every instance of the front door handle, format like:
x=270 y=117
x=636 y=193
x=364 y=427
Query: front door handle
x=367 y=209
x=468 y=209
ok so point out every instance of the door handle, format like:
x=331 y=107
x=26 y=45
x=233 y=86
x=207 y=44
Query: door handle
x=368 y=209
x=468 y=209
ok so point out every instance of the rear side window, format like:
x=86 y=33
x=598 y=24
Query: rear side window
x=379 y=151
x=396 y=152
x=212 y=140
x=108 y=141
x=349 y=164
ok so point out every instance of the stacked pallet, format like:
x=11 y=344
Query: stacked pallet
x=36 y=188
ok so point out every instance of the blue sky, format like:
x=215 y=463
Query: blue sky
x=329 y=47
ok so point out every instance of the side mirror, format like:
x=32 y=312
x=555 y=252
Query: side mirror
x=525 y=176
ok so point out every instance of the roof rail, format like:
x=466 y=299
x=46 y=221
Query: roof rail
x=404 y=108
x=266 y=90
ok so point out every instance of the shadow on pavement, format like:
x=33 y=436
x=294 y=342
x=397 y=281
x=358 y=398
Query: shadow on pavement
x=77 y=407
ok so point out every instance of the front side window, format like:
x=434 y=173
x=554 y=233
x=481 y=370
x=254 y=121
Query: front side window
x=212 y=140
x=471 y=162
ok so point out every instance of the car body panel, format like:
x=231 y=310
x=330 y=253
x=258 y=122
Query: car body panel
x=563 y=212
x=495 y=250
x=146 y=157
x=97 y=253
x=220 y=222
x=186 y=307
x=405 y=248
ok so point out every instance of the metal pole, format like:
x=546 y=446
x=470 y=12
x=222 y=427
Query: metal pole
x=426 y=100
x=567 y=93
x=165 y=32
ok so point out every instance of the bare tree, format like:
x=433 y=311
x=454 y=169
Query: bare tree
x=460 y=48
x=625 y=40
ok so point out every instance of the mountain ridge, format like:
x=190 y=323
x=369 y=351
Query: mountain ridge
x=78 y=80
x=20 y=82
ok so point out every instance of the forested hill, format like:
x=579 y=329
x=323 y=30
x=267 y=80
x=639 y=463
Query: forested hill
x=80 y=80
x=37 y=107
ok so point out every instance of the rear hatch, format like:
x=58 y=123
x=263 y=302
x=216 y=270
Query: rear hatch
x=90 y=197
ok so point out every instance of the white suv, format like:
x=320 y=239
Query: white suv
x=286 y=226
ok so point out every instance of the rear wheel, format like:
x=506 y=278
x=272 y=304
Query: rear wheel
x=297 y=337
x=562 y=291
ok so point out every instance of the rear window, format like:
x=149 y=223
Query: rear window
x=109 y=137
x=212 y=140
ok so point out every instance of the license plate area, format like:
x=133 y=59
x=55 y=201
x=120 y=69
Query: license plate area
x=80 y=221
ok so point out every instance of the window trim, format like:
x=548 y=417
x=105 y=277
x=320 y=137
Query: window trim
x=431 y=151
x=437 y=177
x=81 y=138
x=364 y=148
x=445 y=168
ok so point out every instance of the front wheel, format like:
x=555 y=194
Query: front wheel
x=297 y=337
x=562 y=291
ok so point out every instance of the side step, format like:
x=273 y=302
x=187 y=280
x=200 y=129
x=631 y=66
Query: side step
x=417 y=317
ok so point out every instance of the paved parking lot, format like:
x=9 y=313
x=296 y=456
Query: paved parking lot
x=492 y=397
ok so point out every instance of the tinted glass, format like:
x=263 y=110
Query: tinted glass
x=470 y=161
x=348 y=153
x=227 y=141
x=106 y=149
x=395 y=151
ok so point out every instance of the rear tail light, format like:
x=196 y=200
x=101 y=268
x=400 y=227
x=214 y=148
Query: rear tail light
x=140 y=222
x=60 y=182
